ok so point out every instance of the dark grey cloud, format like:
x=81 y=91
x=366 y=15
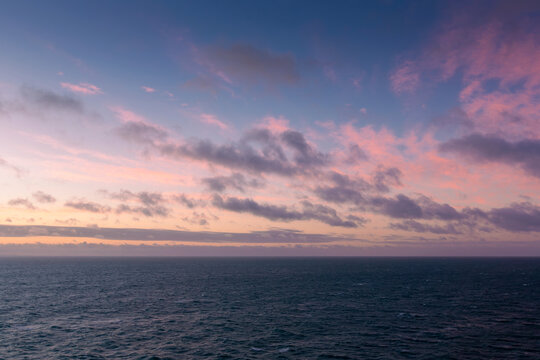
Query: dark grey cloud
x=344 y=189
x=435 y=210
x=149 y=211
x=404 y=207
x=43 y=198
x=199 y=218
x=51 y=100
x=21 y=202
x=231 y=155
x=517 y=217
x=482 y=148
x=365 y=196
x=140 y=132
x=271 y=212
x=385 y=178
x=400 y=207
x=310 y=211
x=235 y=181
x=249 y=64
x=259 y=151
x=151 y=203
x=88 y=206
x=339 y=195
x=412 y=225
x=328 y=215
x=356 y=154
x=520 y=217
x=305 y=154
x=144 y=197
x=204 y=83
x=186 y=201
x=131 y=234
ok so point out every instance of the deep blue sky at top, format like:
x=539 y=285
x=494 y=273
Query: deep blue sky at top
x=122 y=45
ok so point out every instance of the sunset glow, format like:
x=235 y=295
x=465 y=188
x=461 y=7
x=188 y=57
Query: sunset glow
x=269 y=128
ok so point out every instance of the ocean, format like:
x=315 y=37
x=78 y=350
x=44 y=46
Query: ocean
x=269 y=308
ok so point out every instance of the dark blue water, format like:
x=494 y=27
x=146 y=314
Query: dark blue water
x=270 y=308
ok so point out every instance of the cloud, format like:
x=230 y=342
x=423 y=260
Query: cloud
x=410 y=248
x=132 y=234
x=343 y=190
x=204 y=83
x=144 y=197
x=259 y=150
x=517 y=217
x=305 y=154
x=136 y=128
x=520 y=217
x=412 y=225
x=385 y=178
x=50 y=100
x=186 y=201
x=21 y=202
x=148 y=89
x=358 y=191
x=405 y=78
x=401 y=207
x=249 y=64
x=213 y=120
x=493 y=52
x=270 y=157
x=150 y=211
x=43 y=198
x=480 y=148
x=140 y=132
x=151 y=203
x=235 y=181
x=310 y=211
x=7 y=165
x=328 y=215
x=83 y=88
x=364 y=195
x=356 y=154
x=88 y=206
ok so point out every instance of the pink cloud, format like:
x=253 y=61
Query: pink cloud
x=426 y=171
x=148 y=89
x=405 y=78
x=213 y=120
x=83 y=88
x=275 y=124
x=499 y=67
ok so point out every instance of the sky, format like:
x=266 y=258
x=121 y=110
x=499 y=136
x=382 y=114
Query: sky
x=270 y=128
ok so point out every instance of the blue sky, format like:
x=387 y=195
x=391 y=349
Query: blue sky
x=380 y=125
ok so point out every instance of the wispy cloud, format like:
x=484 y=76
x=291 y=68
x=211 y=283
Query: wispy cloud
x=148 y=89
x=43 y=198
x=7 y=165
x=82 y=88
x=249 y=64
x=133 y=234
x=50 y=100
x=21 y=202
x=213 y=120
x=235 y=181
x=88 y=206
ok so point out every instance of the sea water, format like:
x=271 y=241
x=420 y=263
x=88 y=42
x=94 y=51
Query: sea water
x=280 y=308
